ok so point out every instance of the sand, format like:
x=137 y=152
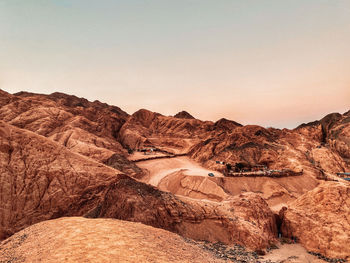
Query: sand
x=293 y=253
x=158 y=169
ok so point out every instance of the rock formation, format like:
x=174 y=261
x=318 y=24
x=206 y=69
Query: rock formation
x=176 y=135
x=62 y=155
x=99 y=131
x=87 y=128
x=41 y=180
x=320 y=220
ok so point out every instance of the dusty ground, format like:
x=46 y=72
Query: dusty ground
x=291 y=253
x=79 y=239
x=158 y=169
x=183 y=176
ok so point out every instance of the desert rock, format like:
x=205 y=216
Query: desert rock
x=320 y=220
x=41 y=180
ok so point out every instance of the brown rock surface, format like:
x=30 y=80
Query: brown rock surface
x=41 y=180
x=176 y=135
x=320 y=219
x=87 y=128
x=183 y=115
x=245 y=220
x=278 y=149
x=79 y=239
x=101 y=131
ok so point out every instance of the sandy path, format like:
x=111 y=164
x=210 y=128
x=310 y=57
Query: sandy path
x=162 y=167
x=291 y=253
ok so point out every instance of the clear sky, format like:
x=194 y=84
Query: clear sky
x=269 y=62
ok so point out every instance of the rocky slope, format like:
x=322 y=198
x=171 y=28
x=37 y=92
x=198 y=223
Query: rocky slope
x=320 y=220
x=87 y=128
x=62 y=155
x=183 y=115
x=105 y=133
x=175 y=135
x=78 y=239
x=278 y=149
x=41 y=180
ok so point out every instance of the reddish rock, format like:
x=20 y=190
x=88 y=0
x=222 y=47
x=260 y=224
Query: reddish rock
x=320 y=220
x=183 y=115
x=41 y=180
x=176 y=135
x=87 y=128
x=60 y=170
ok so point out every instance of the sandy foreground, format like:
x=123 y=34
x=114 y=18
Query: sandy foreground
x=78 y=239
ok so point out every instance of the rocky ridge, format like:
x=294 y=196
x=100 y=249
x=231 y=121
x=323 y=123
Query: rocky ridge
x=53 y=146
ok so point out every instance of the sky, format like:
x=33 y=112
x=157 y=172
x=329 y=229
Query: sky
x=268 y=62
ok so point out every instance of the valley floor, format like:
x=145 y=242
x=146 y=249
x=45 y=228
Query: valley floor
x=160 y=168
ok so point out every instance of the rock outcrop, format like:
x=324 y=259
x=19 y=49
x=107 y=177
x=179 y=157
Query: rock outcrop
x=320 y=220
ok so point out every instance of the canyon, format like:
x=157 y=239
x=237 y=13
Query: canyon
x=67 y=162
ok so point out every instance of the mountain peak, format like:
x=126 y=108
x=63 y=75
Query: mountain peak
x=183 y=115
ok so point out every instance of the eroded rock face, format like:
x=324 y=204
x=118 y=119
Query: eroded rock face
x=40 y=180
x=77 y=239
x=60 y=170
x=320 y=219
x=246 y=220
x=333 y=131
x=175 y=135
x=278 y=149
x=100 y=131
x=87 y=128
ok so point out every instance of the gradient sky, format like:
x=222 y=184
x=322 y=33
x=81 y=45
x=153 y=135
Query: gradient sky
x=268 y=62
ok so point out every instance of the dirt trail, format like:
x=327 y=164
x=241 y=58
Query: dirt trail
x=293 y=253
x=160 y=168
x=185 y=177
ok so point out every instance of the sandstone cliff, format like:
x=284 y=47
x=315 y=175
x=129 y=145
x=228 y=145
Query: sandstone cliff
x=320 y=220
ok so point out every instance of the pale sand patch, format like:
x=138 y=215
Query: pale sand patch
x=293 y=253
x=160 y=168
x=78 y=239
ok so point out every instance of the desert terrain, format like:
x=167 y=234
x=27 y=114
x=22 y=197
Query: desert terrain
x=86 y=180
